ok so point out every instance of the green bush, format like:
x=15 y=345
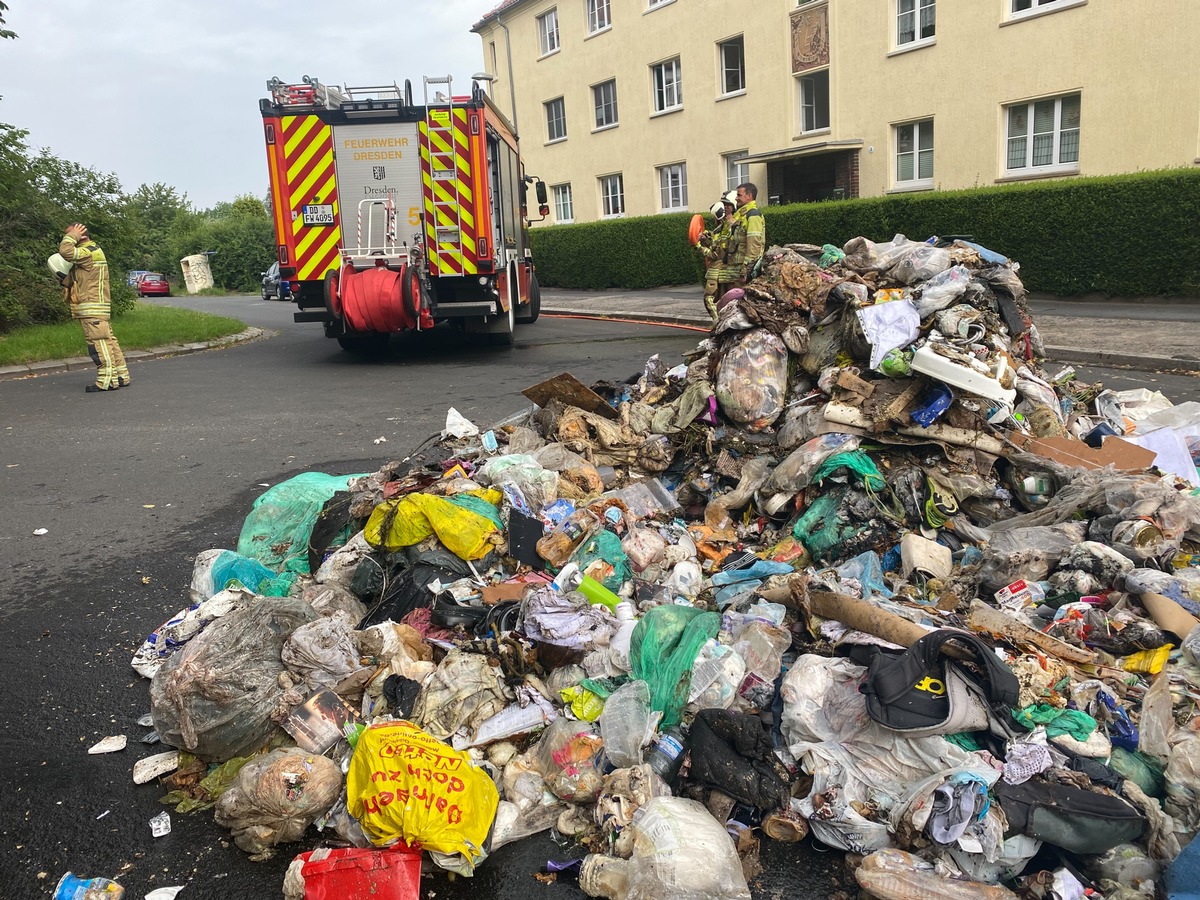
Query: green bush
x=1122 y=235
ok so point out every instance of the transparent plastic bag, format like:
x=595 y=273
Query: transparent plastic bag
x=752 y=379
x=627 y=724
x=942 y=289
x=1156 y=721
x=896 y=875
x=918 y=263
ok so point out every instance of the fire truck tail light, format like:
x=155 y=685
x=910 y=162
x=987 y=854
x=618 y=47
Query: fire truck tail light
x=482 y=247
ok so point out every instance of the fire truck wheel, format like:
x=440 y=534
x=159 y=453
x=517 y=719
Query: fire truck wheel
x=333 y=302
x=534 y=309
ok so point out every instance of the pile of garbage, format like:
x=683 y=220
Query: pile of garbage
x=857 y=568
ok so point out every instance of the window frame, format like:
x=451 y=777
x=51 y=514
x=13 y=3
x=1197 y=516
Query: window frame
x=562 y=106
x=592 y=9
x=597 y=105
x=605 y=195
x=1030 y=169
x=676 y=86
x=668 y=191
x=803 y=105
x=734 y=158
x=556 y=196
x=918 y=40
x=544 y=35
x=652 y=5
x=917 y=182
x=1039 y=8
x=740 y=41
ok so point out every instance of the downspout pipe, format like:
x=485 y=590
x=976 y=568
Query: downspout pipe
x=512 y=88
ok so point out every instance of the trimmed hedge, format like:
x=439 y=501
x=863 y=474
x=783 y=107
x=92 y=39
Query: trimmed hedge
x=1121 y=235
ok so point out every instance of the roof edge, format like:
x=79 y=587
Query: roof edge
x=495 y=13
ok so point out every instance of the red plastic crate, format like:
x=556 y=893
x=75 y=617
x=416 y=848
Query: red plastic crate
x=344 y=872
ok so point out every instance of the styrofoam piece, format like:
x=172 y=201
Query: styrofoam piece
x=969 y=375
x=153 y=766
x=110 y=744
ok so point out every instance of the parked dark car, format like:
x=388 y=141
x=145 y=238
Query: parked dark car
x=273 y=288
x=153 y=284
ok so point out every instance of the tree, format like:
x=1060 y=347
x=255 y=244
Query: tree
x=5 y=32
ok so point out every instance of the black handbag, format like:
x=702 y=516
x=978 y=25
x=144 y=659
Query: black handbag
x=1073 y=818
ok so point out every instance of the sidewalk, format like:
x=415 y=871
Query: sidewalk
x=1150 y=335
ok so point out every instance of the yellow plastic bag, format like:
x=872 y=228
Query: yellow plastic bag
x=410 y=519
x=404 y=784
x=586 y=705
x=1148 y=662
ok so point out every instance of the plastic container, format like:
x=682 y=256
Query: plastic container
x=571 y=579
x=618 y=646
x=72 y=887
x=341 y=872
x=973 y=377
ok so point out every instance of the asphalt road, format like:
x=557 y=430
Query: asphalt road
x=130 y=486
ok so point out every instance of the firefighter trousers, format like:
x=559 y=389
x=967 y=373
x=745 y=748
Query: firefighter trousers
x=111 y=371
x=710 y=289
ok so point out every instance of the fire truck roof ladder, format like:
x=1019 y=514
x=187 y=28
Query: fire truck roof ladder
x=310 y=92
x=446 y=250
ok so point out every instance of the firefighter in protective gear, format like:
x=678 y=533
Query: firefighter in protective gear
x=747 y=240
x=713 y=247
x=86 y=290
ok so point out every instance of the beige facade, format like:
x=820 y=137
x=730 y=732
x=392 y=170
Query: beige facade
x=836 y=98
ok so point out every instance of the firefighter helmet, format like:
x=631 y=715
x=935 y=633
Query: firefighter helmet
x=59 y=266
x=731 y=198
x=718 y=211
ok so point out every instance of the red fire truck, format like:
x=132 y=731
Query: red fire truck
x=392 y=217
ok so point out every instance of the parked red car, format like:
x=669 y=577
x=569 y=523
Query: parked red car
x=153 y=284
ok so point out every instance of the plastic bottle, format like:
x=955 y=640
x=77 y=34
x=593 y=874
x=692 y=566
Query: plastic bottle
x=556 y=548
x=571 y=579
x=72 y=887
x=666 y=753
x=618 y=647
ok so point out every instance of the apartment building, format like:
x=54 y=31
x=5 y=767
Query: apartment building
x=636 y=107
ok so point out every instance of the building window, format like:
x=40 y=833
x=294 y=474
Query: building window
x=733 y=66
x=604 y=98
x=598 y=15
x=1022 y=8
x=556 y=120
x=1043 y=136
x=914 y=154
x=672 y=187
x=612 y=196
x=814 y=101
x=914 y=21
x=564 y=207
x=650 y=4
x=737 y=170
x=548 y=31
x=668 y=85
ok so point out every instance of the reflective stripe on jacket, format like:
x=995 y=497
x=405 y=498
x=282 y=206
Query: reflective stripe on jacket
x=87 y=283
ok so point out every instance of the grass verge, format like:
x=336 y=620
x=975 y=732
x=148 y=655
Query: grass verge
x=142 y=328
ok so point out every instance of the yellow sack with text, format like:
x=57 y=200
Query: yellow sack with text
x=404 y=784
x=464 y=522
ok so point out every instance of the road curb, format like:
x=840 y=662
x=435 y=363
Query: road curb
x=54 y=367
x=1071 y=355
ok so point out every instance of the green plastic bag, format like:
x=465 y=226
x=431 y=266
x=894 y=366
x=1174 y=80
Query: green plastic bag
x=663 y=649
x=858 y=463
x=280 y=522
x=606 y=546
x=823 y=530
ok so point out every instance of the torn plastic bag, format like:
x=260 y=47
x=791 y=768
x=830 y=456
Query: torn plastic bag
x=826 y=528
x=568 y=755
x=276 y=797
x=889 y=326
x=736 y=582
x=795 y=472
x=663 y=650
x=734 y=753
x=918 y=263
x=408 y=589
x=340 y=565
x=328 y=599
x=761 y=645
x=717 y=675
x=752 y=379
x=464 y=523
x=601 y=556
x=679 y=851
x=169 y=637
x=277 y=530
x=323 y=652
x=215 y=697
x=624 y=792
x=404 y=784
x=217 y=570
x=538 y=485
x=462 y=694
x=1183 y=783
x=644 y=547
x=627 y=724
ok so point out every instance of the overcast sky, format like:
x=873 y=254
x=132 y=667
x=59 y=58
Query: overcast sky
x=162 y=91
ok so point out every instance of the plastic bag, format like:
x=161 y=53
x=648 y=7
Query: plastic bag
x=795 y=472
x=568 y=756
x=889 y=326
x=465 y=523
x=942 y=289
x=404 y=784
x=217 y=570
x=463 y=693
x=716 y=676
x=752 y=379
x=920 y=262
x=679 y=851
x=340 y=872
x=762 y=647
x=1027 y=554
x=602 y=557
x=627 y=724
x=644 y=547
x=1183 y=784
x=538 y=485
x=215 y=697
x=276 y=797
x=1156 y=721
x=896 y=875
x=458 y=425
x=323 y=652
x=169 y=637
x=280 y=523
x=663 y=650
